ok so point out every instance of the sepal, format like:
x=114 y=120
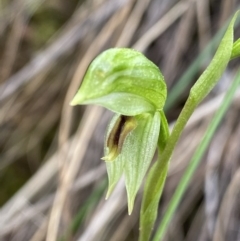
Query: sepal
x=124 y=81
x=136 y=154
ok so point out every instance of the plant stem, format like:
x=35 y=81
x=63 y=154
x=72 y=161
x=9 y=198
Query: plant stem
x=195 y=161
x=181 y=122
x=158 y=173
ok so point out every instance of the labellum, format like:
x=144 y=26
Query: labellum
x=123 y=126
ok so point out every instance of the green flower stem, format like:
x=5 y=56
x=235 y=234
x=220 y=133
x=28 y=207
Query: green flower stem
x=181 y=122
x=195 y=160
x=158 y=173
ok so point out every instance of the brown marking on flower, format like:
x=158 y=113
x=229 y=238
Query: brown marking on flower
x=123 y=126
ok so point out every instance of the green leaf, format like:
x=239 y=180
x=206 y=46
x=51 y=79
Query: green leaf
x=188 y=77
x=139 y=149
x=212 y=74
x=124 y=81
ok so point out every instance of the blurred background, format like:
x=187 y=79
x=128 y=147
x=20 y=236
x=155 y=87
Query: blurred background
x=52 y=181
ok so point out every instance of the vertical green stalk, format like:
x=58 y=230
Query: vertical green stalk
x=157 y=175
x=195 y=160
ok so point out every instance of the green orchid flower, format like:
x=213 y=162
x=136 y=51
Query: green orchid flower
x=127 y=83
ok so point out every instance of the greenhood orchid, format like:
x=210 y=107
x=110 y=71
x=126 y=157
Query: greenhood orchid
x=127 y=83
